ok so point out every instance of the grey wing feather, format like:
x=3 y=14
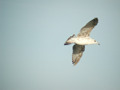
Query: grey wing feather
x=85 y=31
x=77 y=53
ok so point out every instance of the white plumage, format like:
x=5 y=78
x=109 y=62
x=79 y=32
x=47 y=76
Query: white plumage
x=82 y=39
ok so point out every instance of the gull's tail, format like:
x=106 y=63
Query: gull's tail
x=67 y=41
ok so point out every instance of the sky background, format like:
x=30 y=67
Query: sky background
x=32 y=51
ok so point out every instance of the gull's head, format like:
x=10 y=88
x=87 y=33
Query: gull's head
x=70 y=40
x=94 y=41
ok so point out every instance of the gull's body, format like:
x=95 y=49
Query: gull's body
x=82 y=39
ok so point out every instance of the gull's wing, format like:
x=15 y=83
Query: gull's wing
x=77 y=53
x=85 y=31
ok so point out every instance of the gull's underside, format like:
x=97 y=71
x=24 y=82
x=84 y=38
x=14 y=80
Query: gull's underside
x=80 y=42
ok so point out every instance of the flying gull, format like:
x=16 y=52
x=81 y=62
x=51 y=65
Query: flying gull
x=82 y=39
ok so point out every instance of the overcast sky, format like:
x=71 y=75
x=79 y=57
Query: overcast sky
x=32 y=51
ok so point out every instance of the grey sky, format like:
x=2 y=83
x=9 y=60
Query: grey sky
x=32 y=51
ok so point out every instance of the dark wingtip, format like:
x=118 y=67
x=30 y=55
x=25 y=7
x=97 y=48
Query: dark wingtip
x=74 y=64
x=96 y=18
x=95 y=21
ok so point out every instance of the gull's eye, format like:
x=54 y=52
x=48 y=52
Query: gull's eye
x=94 y=40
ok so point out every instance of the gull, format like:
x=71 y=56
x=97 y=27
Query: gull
x=82 y=39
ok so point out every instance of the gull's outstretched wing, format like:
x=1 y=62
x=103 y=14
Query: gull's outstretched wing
x=85 y=31
x=77 y=53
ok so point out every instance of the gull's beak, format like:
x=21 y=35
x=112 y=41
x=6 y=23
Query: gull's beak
x=98 y=43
